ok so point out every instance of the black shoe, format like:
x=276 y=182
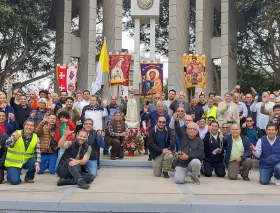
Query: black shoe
x=146 y=153
x=245 y=178
x=61 y=182
x=165 y=174
x=82 y=184
x=150 y=158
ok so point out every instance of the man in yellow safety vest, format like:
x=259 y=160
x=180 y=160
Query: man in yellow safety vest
x=210 y=110
x=23 y=153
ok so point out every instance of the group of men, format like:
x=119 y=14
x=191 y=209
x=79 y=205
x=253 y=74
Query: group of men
x=64 y=135
x=57 y=133
x=206 y=136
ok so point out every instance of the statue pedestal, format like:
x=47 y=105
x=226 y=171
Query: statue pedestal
x=132 y=125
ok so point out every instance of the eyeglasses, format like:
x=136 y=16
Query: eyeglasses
x=162 y=122
x=180 y=111
x=89 y=124
x=225 y=127
x=249 y=120
x=192 y=129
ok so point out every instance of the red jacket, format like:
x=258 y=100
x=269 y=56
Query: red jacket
x=71 y=126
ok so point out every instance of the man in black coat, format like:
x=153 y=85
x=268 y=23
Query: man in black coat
x=237 y=159
x=3 y=150
x=254 y=133
x=162 y=144
x=213 y=149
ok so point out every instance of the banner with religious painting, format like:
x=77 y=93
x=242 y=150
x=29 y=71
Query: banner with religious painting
x=119 y=67
x=66 y=78
x=194 y=68
x=152 y=78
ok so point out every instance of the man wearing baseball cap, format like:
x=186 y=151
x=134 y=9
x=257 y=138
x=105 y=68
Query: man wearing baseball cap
x=38 y=114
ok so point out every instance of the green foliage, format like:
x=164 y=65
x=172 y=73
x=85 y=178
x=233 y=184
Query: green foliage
x=25 y=40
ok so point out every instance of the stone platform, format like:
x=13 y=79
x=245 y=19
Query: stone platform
x=125 y=188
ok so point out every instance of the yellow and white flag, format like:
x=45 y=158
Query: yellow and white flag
x=102 y=66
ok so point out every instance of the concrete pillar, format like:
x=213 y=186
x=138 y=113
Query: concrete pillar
x=87 y=12
x=112 y=30
x=153 y=39
x=228 y=45
x=179 y=11
x=136 y=57
x=204 y=32
x=63 y=32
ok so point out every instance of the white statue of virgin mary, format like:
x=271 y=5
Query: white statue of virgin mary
x=132 y=112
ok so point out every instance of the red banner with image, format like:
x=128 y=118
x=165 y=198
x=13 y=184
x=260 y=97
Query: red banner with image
x=66 y=78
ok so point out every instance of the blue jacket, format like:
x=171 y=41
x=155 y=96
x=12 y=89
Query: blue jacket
x=270 y=154
x=11 y=126
x=153 y=116
x=227 y=146
x=8 y=109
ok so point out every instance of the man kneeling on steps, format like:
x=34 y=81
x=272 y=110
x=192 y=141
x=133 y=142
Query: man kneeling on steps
x=71 y=169
x=162 y=144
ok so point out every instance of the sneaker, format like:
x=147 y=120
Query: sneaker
x=28 y=181
x=195 y=181
x=82 y=184
x=165 y=174
x=277 y=182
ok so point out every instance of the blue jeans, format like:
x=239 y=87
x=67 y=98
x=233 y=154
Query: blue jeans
x=60 y=153
x=106 y=150
x=48 y=161
x=266 y=174
x=91 y=167
x=14 y=172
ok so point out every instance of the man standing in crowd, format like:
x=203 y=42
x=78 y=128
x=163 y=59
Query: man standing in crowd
x=153 y=106
x=76 y=155
x=38 y=114
x=242 y=109
x=210 y=110
x=268 y=150
x=213 y=149
x=162 y=144
x=262 y=120
x=23 y=153
x=61 y=102
x=153 y=115
x=74 y=115
x=22 y=111
x=181 y=102
x=274 y=112
x=84 y=102
x=202 y=128
x=46 y=133
x=190 y=154
x=227 y=111
x=201 y=101
x=181 y=115
x=237 y=158
x=4 y=106
x=248 y=103
x=225 y=129
x=115 y=135
x=3 y=151
x=95 y=141
x=7 y=126
x=196 y=110
x=171 y=98
x=252 y=132
x=187 y=119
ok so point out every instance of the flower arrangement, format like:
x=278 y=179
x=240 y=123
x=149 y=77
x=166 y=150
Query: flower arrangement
x=134 y=141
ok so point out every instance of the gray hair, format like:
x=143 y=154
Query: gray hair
x=160 y=103
x=192 y=123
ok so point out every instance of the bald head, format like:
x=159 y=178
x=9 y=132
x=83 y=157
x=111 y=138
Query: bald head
x=235 y=130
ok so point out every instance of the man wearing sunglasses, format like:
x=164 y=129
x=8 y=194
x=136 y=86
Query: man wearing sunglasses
x=153 y=106
x=253 y=133
x=162 y=144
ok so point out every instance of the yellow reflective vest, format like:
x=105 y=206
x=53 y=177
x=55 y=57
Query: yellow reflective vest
x=17 y=156
x=211 y=112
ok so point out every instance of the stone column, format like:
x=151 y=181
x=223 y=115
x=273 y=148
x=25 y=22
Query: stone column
x=228 y=45
x=112 y=30
x=204 y=32
x=153 y=39
x=179 y=11
x=87 y=12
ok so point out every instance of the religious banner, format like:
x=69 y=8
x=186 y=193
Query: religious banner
x=152 y=78
x=119 y=67
x=194 y=68
x=66 y=78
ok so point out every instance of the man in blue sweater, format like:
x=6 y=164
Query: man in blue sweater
x=268 y=150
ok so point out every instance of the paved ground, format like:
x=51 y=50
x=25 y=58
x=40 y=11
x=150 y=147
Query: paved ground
x=137 y=190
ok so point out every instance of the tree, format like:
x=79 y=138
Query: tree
x=259 y=42
x=26 y=53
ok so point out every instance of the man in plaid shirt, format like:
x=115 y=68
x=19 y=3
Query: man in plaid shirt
x=23 y=153
x=38 y=114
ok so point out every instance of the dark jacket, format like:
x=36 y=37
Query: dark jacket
x=194 y=148
x=22 y=114
x=3 y=149
x=257 y=132
x=10 y=126
x=153 y=117
x=95 y=141
x=170 y=141
x=270 y=154
x=8 y=109
x=210 y=144
x=175 y=104
x=227 y=144
x=198 y=112
x=59 y=104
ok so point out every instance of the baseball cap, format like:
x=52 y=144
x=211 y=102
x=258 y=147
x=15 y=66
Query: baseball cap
x=43 y=100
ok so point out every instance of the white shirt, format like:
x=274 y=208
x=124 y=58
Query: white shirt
x=258 y=152
x=202 y=132
x=81 y=105
x=262 y=119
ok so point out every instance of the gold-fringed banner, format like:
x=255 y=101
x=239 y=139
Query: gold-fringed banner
x=194 y=68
